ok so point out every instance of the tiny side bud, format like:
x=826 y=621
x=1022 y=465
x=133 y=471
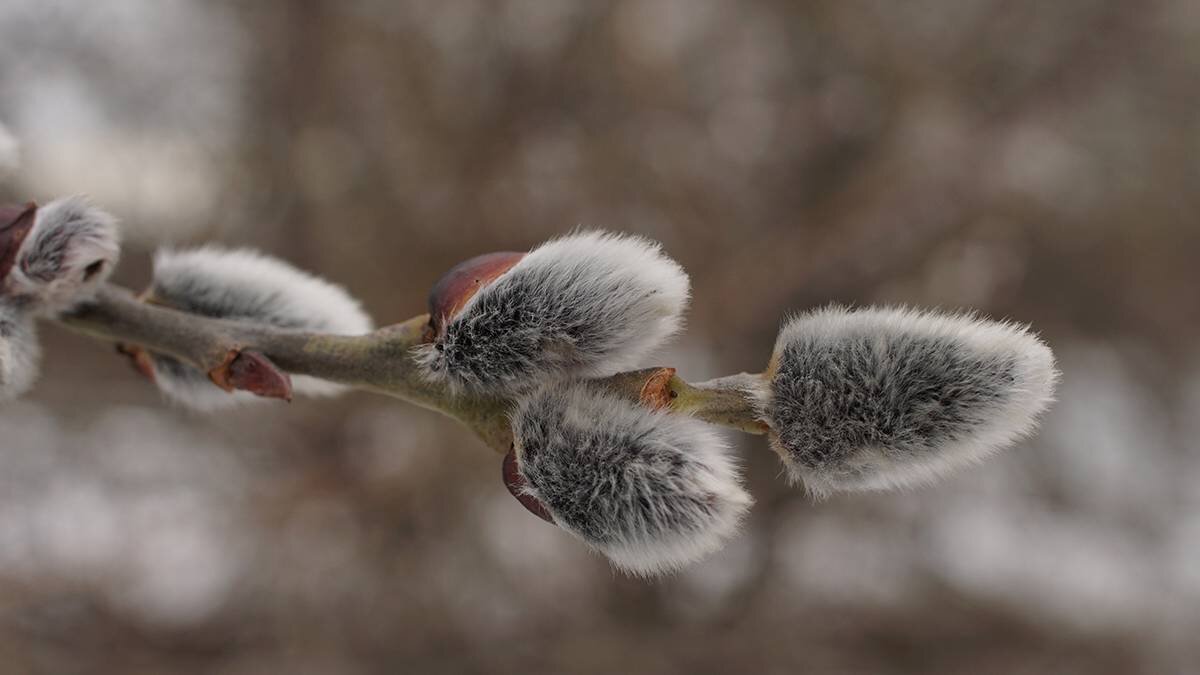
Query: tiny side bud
x=251 y=371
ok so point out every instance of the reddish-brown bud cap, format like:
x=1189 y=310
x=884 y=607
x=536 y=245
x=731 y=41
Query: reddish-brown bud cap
x=461 y=283
x=15 y=224
x=515 y=484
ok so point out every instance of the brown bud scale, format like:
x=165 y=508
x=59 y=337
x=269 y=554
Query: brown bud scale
x=461 y=283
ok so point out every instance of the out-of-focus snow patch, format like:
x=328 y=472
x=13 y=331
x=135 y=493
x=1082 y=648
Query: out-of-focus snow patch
x=179 y=567
x=10 y=153
x=1077 y=571
x=161 y=453
x=163 y=185
x=847 y=560
x=140 y=116
x=77 y=530
x=546 y=563
x=1106 y=439
x=141 y=512
x=711 y=583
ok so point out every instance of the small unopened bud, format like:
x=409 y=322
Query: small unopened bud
x=245 y=285
x=19 y=352
x=66 y=255
x=584 y=305
x=885 y=398
x=651 y=490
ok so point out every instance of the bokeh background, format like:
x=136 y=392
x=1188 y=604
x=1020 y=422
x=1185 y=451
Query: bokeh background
x=1039 y=161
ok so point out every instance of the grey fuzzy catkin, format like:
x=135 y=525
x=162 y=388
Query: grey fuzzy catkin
x=588 y=304
x=69 y=251
x=19 y=351
x=246 y=285
x=881 y=398
x=67 y=255
x=652 y=491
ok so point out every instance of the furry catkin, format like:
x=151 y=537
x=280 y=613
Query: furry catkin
x=54 y=258
x=880 y=398
x=588 y=304
x=651 y=490
x=71 y=250
x=246 y=285
x=19 y=351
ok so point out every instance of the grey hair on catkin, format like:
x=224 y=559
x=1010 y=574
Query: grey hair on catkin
x=242 y=284
x=69 y=253
x=589 y=305
x=888 y=398
x=19 y=351
x=652 y=491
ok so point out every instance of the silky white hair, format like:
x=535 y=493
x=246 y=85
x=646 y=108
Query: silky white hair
x=246 y=285
x=651 y=490
x=589 y=304
x=19 y=351
x=68 y=254
x=883 y=398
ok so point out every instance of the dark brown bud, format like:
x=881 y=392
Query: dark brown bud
x=516 y=484
x=15 y=224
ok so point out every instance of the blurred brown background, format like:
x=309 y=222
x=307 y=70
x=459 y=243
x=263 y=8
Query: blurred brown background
x=1035 y=160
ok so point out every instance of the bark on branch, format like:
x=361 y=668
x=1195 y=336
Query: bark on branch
x=244 y=355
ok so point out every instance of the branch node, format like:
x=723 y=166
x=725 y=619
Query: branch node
x=140 y=360
x=251 y=371
x=656 y=393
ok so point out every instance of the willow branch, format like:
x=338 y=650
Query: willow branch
x=382 y=362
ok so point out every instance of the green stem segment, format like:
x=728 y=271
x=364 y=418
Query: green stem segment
x=382 y=361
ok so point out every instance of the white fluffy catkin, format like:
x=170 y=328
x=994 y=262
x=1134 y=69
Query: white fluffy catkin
x=651 y=490
x=246 y=285
x=885 y=398
x=70 y=251
x=588 y=304
x=19 y=351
